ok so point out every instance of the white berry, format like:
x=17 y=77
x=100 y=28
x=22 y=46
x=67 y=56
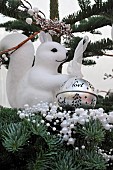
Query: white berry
x=29 y=21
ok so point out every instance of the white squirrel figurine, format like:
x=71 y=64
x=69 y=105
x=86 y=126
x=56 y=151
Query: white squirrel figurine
x=30 y=85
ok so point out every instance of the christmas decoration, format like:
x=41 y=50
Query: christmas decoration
x=54 y=27
x=64 y=122
x=77 y=93
x=40 y=82
x=48 y=137
x=35 y=136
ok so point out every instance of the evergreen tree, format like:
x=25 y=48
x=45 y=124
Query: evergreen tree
x=29 y=139
x=89 y=18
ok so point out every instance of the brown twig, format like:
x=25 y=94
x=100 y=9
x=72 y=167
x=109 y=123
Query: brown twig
x=19 y=45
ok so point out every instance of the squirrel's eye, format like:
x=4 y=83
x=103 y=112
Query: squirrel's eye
x=54 y=50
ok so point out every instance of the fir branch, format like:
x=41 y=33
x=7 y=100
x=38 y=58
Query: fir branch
x=91 y=24
x=19 y=25
x=93 y=132
x=98 y=1
x=92 y=160
x=52 y=142
x=67 y=160
x=44 y=161
x=88 y=62
x=99 y=8
x=14 y=136
x=98 y=48
x=11 y=10
x=38 y=129
x=84 y=4
x=107 y=144
x=8 y=115
x=93 y=49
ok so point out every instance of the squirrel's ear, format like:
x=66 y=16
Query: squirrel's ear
x=44 y=37
x=48 y=36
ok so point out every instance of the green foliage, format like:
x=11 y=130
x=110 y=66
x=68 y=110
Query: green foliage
x=13 y=4
x=105 y=103
x=7 y=116
x=99 y=8
x=89 y=18
x=72 y=46
x=43 y=161
x=84 y=4
x=92 y=160
x=94 y=48
x=19 y=25
x=93 y=132
x=7 y=9
x=14 y=136
x=97 y=48
x=90 y=24
x=27 y=145
x=66 y=160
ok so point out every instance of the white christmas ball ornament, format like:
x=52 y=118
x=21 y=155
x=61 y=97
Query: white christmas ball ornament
x=22 y=115
x=64 y=123
x=71 y=141
x=3 y=55
x=64 y=130
x=81 y=121
x=29 y=21
x=75 y=119
x=76 y=93
x=34 y=121
x=83 y=147
x=19 y=112
x=57 y=121
x=42 y=121
x=6 y=59
x=107 y=127
x=72 y=126
x=49 y=118
x=54 y=128
x=65 y=137
x=31 y=12
x=35 y=9
x=48 y=124
x=59 y=114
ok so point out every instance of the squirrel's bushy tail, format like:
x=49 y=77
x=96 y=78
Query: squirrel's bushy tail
x=20 y=62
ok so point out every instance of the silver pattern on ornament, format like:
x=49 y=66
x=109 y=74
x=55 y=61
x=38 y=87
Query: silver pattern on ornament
x=76 y=93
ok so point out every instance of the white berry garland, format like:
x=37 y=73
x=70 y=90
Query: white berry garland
x=52 y=115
